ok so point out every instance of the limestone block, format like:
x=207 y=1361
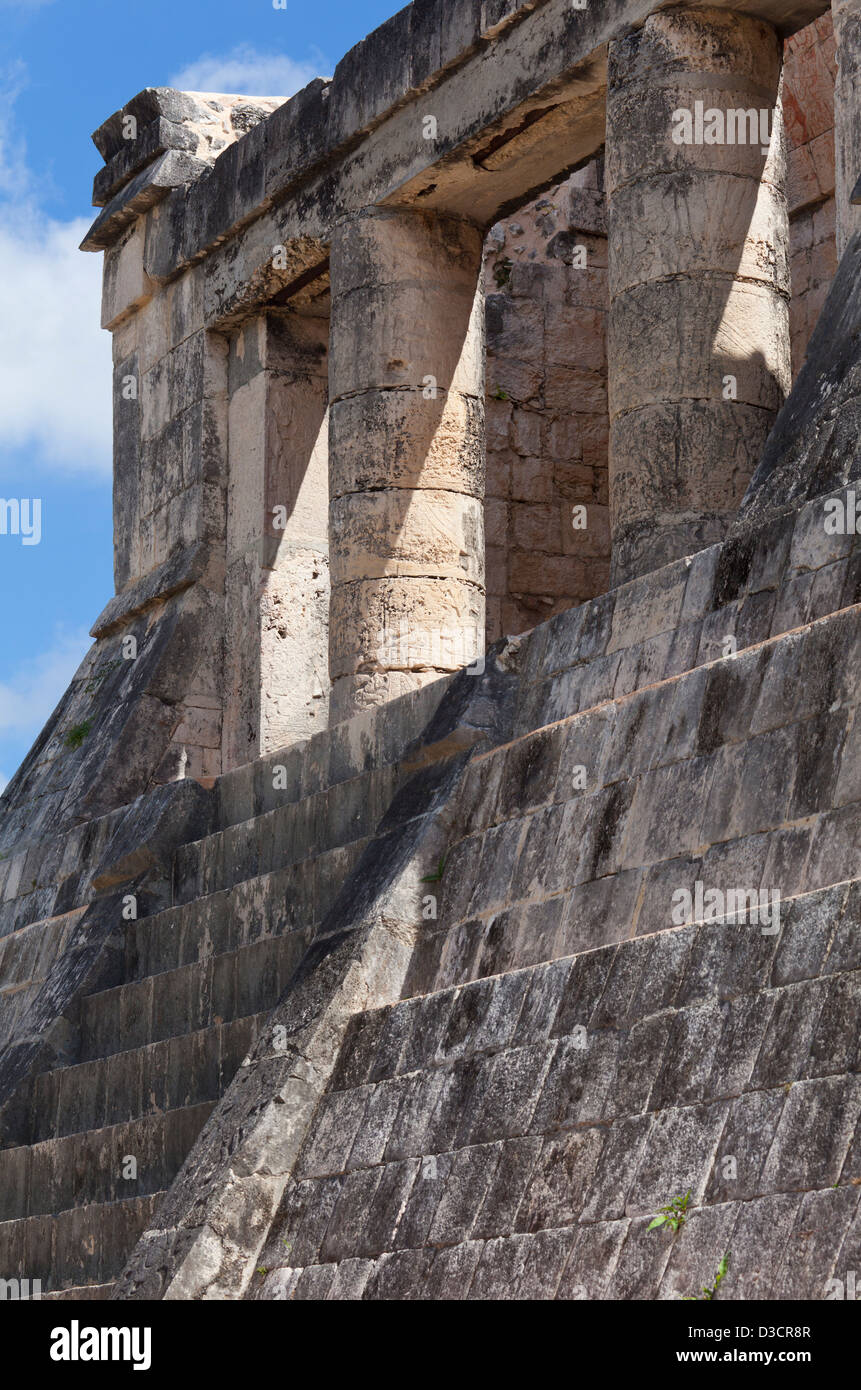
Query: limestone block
x=642 y=126
x=404 y=624
x=161 y=473
x=204 y=441
x=297 y=453
x=297 y=343
x=387 y=247
x=152 y=185
x=399 y=439
x=278 y=588
x=185 y=305
x=359 y=694
x=246 y=353
x=242 y=692
x=124 y=339
x=680 y=340
x=294 y=644
x=153 y=331
x=664 y=462
x=415 y=279
x=154 y=391
x=247 y=443
x=680 y=57
x=125 y=284
x=127 y=452
x=187 y=373
x=718 y=223
x=427 y=330
x=575 y=336
x=297 y=134
x=405 y=533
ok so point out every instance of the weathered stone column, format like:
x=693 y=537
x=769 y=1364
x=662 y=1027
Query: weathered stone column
x=699 y=352
x=406 y=454
x=847 y=116
x=277 y=585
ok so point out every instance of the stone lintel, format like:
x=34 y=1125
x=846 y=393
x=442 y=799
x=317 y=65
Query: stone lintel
x=172 y=170
x=507 y=128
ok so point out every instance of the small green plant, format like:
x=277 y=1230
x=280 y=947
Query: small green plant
x=500 y=395
x=502 y=272
x=435 y=878
x=675 y=1215
x=76 y=735
x=709 y=1293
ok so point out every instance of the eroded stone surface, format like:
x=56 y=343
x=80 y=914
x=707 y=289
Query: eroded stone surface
x=379 y=969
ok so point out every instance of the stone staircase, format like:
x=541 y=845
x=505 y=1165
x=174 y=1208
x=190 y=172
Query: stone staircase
x=513 y=1137
x=568 y=1057
x=156 y=1053
x=497 y=1102
x=155 y=1049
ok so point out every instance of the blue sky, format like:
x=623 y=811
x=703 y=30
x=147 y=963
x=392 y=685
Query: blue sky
x=65 y=65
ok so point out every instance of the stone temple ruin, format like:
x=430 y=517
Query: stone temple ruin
x=447 y=853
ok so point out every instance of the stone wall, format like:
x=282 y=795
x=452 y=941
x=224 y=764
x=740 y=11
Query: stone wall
x=808 y=109
x=547 y=300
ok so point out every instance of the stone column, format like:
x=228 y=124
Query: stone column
x=847 y=116
x=406 y=454
x=699 y=351
x=277 y=586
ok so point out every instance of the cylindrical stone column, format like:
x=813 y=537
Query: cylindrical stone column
x=847 y=116
x=699 y=351
x=406 y=454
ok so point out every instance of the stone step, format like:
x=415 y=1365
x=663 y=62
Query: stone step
x=742 y=774
x=574 y=1099
x=80 y=1169
x=190 y=998
x=786 y=573
x=273 y=904
x=191 y=1069
x=373 y=738
x=288 y=834
x=85 y=1246
x=49 y=877
x=26 y=957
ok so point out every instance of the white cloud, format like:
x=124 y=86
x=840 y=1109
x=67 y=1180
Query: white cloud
x=55 y=360
x=31 y=693
x=247 y=71
x=4 y=782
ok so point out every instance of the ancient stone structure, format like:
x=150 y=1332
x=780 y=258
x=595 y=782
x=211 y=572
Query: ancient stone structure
x=341 y=957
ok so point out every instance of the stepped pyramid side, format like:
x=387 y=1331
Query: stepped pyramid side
x=394 y=970
x=566 y=1057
